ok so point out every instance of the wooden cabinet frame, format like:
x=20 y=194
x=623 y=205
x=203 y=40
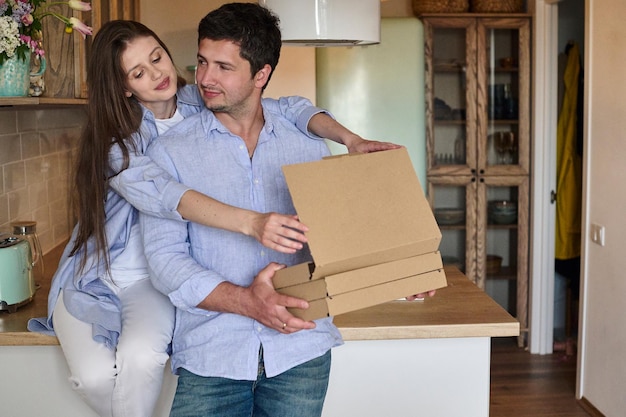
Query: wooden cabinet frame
x=475 y=172
x=66 y=76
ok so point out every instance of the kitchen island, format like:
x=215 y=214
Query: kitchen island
x=423 y=358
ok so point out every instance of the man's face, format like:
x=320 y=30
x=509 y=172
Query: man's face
x=224 y=78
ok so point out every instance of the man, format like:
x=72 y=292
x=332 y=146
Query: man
x=236 y=348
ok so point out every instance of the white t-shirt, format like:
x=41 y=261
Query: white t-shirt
x=163 y=125
x=131 y=265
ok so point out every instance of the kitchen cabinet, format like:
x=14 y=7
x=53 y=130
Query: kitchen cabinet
x=478 y=148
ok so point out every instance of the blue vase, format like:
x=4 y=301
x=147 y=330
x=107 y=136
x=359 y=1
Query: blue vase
x=15 y=76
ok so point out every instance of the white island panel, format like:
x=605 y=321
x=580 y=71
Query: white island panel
x=410 y=378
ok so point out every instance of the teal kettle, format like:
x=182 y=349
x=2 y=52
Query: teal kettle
x=17 y=282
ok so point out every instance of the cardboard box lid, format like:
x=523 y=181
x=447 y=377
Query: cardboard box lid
x=298 y=284
x=362 y=209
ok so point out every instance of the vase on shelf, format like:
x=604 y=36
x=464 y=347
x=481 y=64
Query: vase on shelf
x=15 y=76
x=38 y=68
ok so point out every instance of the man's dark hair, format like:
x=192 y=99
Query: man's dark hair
x=253 y=27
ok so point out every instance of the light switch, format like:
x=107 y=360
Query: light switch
x=597 y=233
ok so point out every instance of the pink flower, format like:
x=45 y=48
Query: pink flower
x=27 y=19
x=80 y=27
x=79 y=5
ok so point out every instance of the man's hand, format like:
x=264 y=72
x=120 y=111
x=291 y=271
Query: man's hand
x=421 y=296
x=270 y=307
x=279 y=232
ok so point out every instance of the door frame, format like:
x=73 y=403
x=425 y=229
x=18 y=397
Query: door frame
x=543 y=183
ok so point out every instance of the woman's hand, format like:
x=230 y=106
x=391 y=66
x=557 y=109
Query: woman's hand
x=280 y=232
x=361 y=145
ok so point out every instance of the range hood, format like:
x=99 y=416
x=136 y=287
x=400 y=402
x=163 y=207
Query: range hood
x=327 y=22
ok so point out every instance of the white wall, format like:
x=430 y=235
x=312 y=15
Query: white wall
x=368 y=91
x=603 y=337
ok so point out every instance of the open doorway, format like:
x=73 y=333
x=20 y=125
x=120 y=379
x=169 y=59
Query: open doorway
x=556 y=22
x=569 y=178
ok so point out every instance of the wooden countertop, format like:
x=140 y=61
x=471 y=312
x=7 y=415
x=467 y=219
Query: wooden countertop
x=13 y=331
x=459 y=310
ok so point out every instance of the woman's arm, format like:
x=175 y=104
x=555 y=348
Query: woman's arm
x=325 y=126
x=153 y=191
x=309 y=118
x=280 y=232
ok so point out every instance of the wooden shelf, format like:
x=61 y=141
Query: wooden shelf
x=504 y=69
x=450 y=121
x=502 y=226
x=452 y=226
x=475 y=15
x=37 y=101
x=506 y=273
x=503 y=121
x=448 y=69
x=63 y=101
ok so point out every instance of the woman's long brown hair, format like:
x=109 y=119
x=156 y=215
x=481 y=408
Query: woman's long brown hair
x=112 y=118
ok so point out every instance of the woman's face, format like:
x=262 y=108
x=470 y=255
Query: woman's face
x=150 y=73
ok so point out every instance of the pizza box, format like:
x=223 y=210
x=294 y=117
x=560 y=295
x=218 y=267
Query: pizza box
x=368 y=220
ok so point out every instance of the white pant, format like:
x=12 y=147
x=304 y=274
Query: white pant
x=125 y=382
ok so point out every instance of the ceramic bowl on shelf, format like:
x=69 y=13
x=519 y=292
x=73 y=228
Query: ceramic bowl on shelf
x=449 y=216
x=499 y=218
x=503 y=206
x=502 y=211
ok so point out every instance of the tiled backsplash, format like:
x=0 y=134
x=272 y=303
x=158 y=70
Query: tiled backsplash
x=37 y=147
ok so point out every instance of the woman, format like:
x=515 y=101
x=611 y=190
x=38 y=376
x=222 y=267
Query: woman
x=113 y=326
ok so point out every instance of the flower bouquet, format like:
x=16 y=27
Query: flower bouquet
x=21 y=32
x=20 y=25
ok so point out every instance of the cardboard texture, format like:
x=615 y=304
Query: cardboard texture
x=373 y=236
x=367 y=297
x=333 y=285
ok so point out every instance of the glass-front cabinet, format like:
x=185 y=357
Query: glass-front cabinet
x=478 y=148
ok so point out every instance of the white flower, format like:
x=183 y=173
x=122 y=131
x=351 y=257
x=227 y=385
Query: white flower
x=20 y=25
x=9 y=36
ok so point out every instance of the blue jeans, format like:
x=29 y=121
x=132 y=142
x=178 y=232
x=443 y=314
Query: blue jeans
x=298 y=392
